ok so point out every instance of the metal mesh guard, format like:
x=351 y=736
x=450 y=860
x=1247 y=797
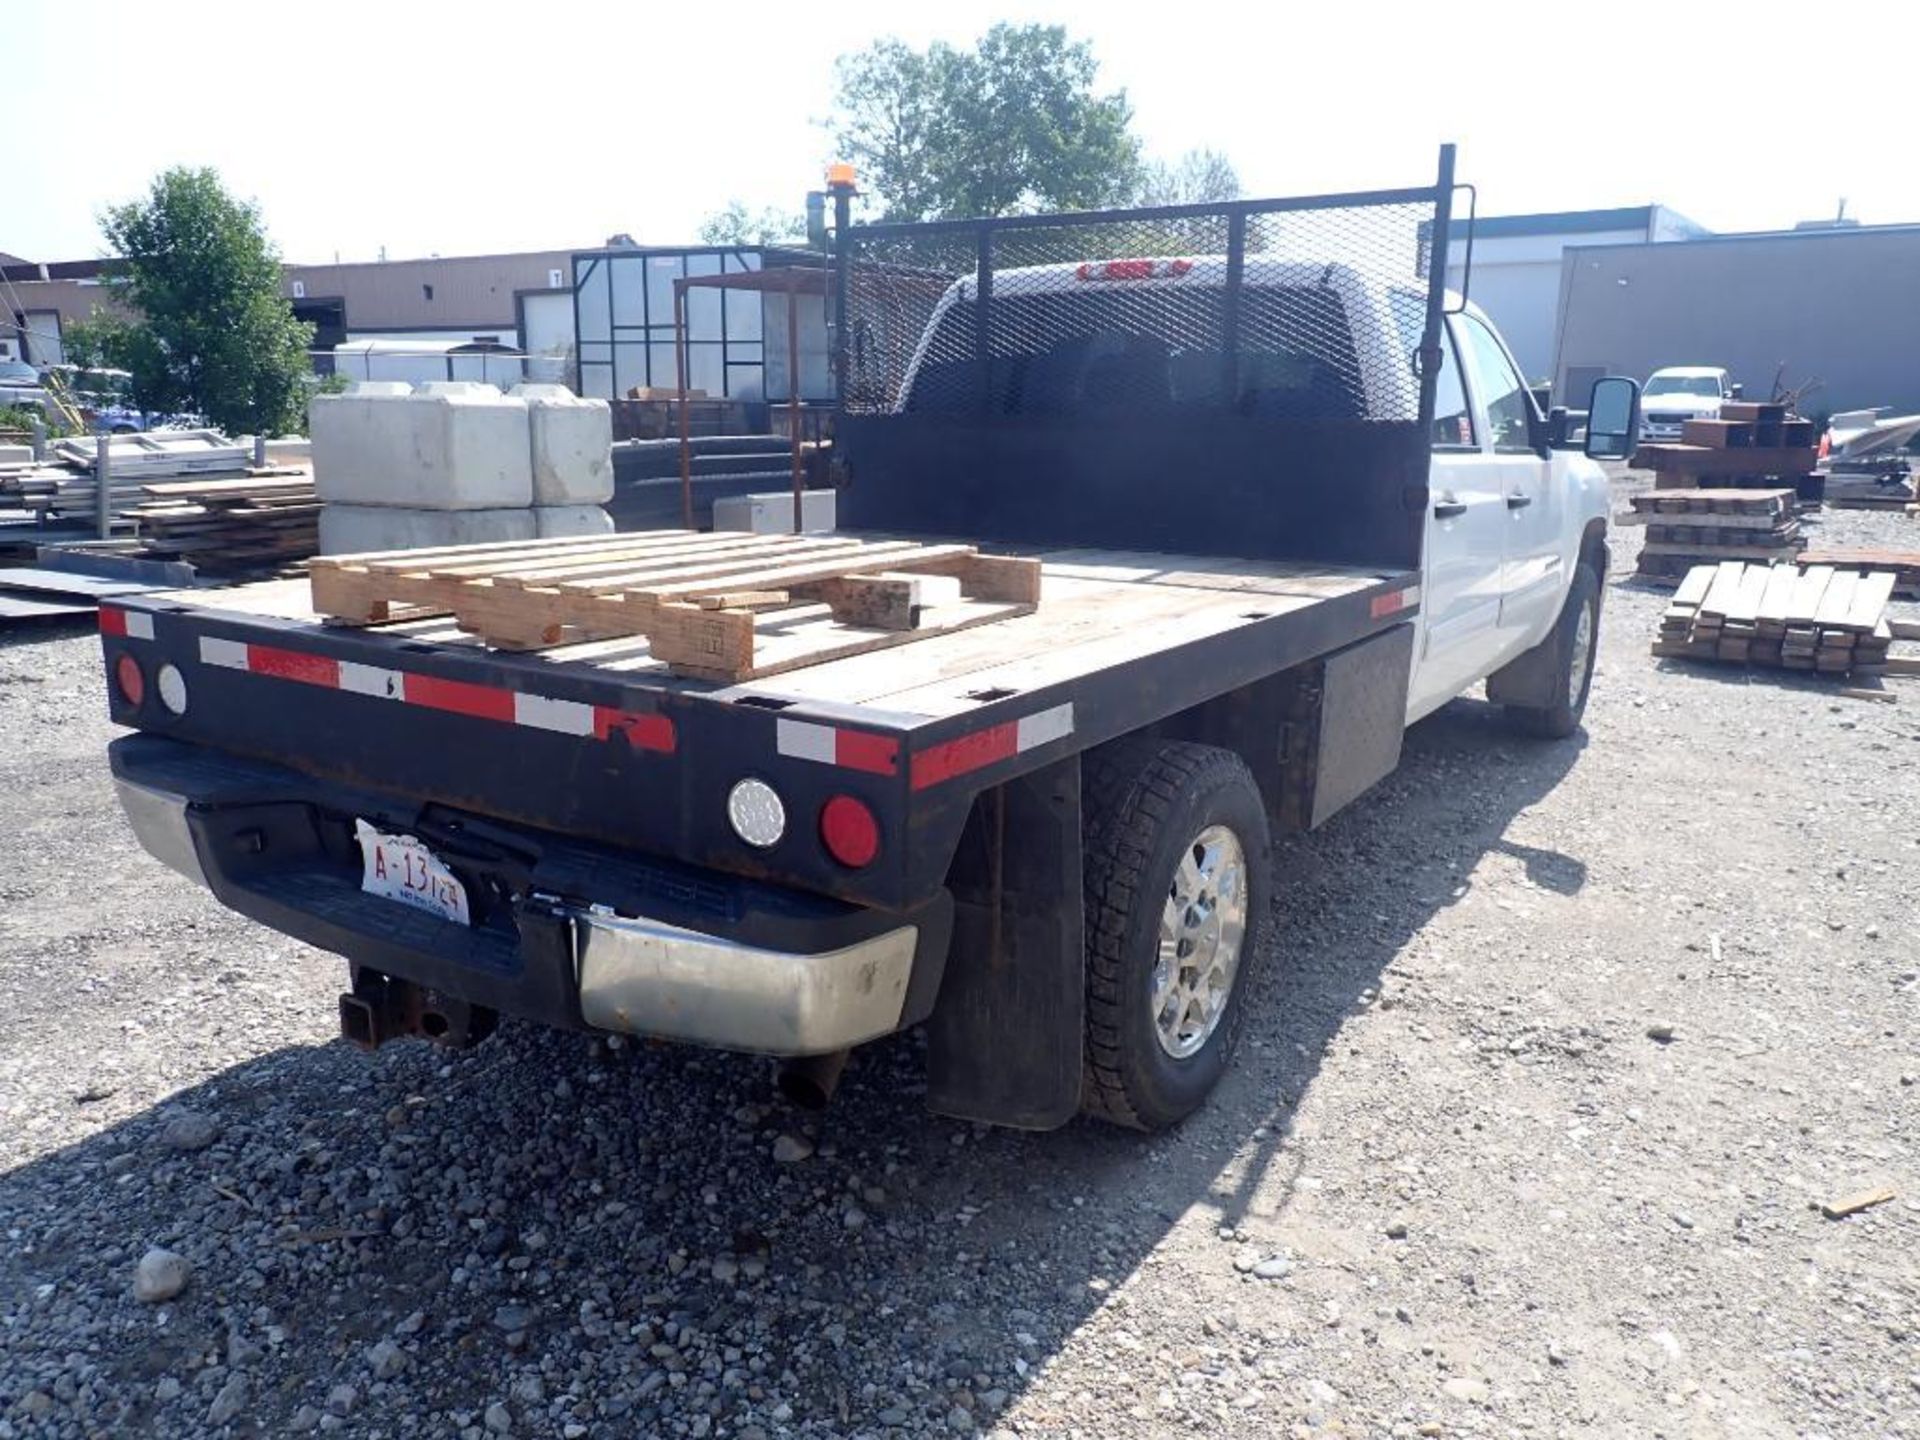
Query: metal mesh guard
x=1314 y=315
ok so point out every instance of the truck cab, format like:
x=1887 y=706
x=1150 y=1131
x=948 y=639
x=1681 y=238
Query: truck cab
x=1512 y=518
x=1679 y=393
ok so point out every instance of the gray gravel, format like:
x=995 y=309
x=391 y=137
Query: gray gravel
x=1454 y=1187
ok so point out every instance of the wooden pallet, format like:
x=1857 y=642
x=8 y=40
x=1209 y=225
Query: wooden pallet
x=719 y=605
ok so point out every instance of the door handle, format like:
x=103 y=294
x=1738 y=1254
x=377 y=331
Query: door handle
x=1519 y=502
x=1447 y=509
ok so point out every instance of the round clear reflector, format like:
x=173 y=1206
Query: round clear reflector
x=173 y=689
x=756 y=814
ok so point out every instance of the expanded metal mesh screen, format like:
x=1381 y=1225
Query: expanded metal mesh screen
x=1284 y=311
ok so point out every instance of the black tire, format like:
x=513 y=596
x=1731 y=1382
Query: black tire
x=1146 y=802
x=1562 y=717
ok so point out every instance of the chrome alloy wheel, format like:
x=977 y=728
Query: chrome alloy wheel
x=1202 y=927
x=1582 y=646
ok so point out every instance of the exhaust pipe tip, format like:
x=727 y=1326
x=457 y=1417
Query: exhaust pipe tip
x=809 y=1081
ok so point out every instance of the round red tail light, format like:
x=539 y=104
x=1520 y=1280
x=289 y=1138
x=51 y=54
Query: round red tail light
x=133 y=684
x=849 y=831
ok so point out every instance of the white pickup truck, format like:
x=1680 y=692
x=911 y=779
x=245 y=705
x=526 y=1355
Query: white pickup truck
x=1275 y=504
x=1679 y=393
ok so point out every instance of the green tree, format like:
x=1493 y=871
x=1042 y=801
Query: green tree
x=1198 y=177
x=210 y=331
x=737 y=225
x=1013 y=125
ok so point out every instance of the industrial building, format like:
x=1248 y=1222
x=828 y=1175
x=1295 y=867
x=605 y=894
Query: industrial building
x=523 y=301
x=1517 y=261
x=1834 y=305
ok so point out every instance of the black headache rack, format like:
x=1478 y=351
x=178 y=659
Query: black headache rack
x=1187 y=379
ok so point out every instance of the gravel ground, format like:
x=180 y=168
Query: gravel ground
x=1458 y=1184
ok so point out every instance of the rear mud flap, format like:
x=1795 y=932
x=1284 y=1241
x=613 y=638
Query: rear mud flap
x=1005 y=1037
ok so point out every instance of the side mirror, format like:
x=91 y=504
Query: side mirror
x=1613 y=418
x=1734 y=392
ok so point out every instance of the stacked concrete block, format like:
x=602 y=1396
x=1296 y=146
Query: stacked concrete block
x=552 y=520
x=571 y=443
x=353 y=529
x=456 y=462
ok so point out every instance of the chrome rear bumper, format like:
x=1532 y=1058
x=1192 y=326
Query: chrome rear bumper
x=646 y=977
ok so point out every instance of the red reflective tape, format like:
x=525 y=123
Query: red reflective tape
x=643 y=732
x=113 y=620
x=969 y=752
x=483 y=702
x=293 y=665
x=863 y=750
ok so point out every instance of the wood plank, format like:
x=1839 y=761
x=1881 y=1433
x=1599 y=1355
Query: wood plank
x=1724 y=589
x=813 y=644
x=900 y=556
x=1694 y=588
x=1804 y=603
x=1870 y=600
x=1076 y=612
x=1771 y=613
x=723 y=549
x=1746 y=600
x=1837 y=602
x=492 y=547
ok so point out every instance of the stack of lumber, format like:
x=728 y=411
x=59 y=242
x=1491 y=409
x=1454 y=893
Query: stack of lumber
x=1904 y=565
x=720 y=605
x=1686 y=528
x=1750 y=445
x=231 y=526
x=1818 y=618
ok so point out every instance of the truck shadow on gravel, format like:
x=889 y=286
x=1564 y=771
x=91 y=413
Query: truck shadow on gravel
x=601 y=1240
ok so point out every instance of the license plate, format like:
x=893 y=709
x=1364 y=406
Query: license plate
x=399 y=867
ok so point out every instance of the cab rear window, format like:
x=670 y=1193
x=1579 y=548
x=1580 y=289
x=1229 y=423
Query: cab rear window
x=1152 y=349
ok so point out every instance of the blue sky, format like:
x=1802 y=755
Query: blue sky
x=463 y=129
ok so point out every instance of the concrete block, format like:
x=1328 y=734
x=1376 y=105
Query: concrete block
x=771 y=512
x=572 y=445
x=552 y=520
x=23 y=455
x=350 y=529
x=449 y=445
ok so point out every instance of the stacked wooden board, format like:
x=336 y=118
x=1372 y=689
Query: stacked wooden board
x=231 y=526
x=1818 y=618
x=1751 y=445
x=1686 y=528
x=717 y=605
x=1903 y=565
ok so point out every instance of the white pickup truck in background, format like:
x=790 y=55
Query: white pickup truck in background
x=1679 y=393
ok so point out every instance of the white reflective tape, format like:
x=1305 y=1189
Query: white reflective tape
x=802 y=741
x=1409 y=596
x=229 y=653
x=1047 y=725
x=139 y=626
x=568 y=717
x=372 y=680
